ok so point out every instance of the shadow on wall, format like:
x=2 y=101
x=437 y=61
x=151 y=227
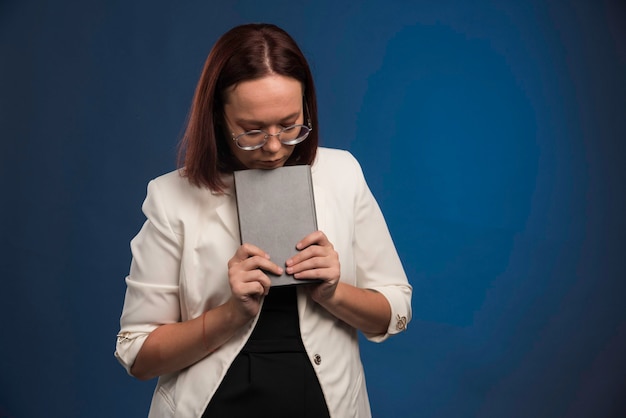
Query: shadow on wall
x=459 y=138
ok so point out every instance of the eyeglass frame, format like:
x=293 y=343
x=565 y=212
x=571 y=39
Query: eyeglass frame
x=268 y=135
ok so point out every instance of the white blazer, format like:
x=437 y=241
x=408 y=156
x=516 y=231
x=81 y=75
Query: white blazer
x=179 y=270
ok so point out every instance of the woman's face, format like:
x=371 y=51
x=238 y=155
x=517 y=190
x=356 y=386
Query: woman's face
x=269 y=104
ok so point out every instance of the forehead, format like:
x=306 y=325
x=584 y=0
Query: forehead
x=265 y=98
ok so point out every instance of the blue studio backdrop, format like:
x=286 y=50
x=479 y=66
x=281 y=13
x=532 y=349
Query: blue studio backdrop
x=491 y=132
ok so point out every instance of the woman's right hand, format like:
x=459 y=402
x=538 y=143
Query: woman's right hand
x=175 y=346
x=248 y=281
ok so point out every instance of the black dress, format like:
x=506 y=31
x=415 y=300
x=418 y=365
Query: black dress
x=272 y=376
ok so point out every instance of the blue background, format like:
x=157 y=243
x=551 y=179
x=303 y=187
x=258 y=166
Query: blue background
x=492 y=133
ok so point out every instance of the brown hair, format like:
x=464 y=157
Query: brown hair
x=246 y=52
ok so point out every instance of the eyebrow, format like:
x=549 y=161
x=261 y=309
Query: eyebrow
x=262 y=123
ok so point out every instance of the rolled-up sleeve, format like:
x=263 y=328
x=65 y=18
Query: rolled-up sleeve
x=378 y=266
x=152 y=292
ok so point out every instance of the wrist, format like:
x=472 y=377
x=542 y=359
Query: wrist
x=235 y=314
x=328 y=297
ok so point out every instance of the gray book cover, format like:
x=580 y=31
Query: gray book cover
x=276 y=209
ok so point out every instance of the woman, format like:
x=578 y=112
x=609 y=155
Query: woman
x=199 y=312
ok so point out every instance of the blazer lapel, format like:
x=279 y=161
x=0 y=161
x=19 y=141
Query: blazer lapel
x=321 y=208
x=227 y=209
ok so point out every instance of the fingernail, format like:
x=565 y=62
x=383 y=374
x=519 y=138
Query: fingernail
x=289 y=270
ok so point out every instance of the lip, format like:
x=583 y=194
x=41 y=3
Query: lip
x=271 y=163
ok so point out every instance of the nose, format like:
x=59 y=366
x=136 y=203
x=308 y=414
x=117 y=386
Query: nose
x=273 y=144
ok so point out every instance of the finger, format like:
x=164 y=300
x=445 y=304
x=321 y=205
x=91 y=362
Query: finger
x=250 y=282
x=309 y=252
x=327 y=268
x=256 y=262
x=325 y=274
x=256 y=286
x=246 y=251
x=317 y=237
x=308 y=260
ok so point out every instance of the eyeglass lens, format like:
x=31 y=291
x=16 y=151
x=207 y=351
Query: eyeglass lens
x=286 y=135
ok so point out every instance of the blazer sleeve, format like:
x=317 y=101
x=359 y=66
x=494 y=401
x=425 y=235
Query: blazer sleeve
x=152 y=293
x=378 y=266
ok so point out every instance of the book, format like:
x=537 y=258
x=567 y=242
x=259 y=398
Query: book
x=276 y=209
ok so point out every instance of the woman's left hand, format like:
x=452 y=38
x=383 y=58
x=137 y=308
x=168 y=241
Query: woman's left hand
x=317 y=259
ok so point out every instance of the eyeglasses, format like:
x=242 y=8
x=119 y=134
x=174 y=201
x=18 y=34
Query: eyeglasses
x=256 y=138
x=289 y=135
